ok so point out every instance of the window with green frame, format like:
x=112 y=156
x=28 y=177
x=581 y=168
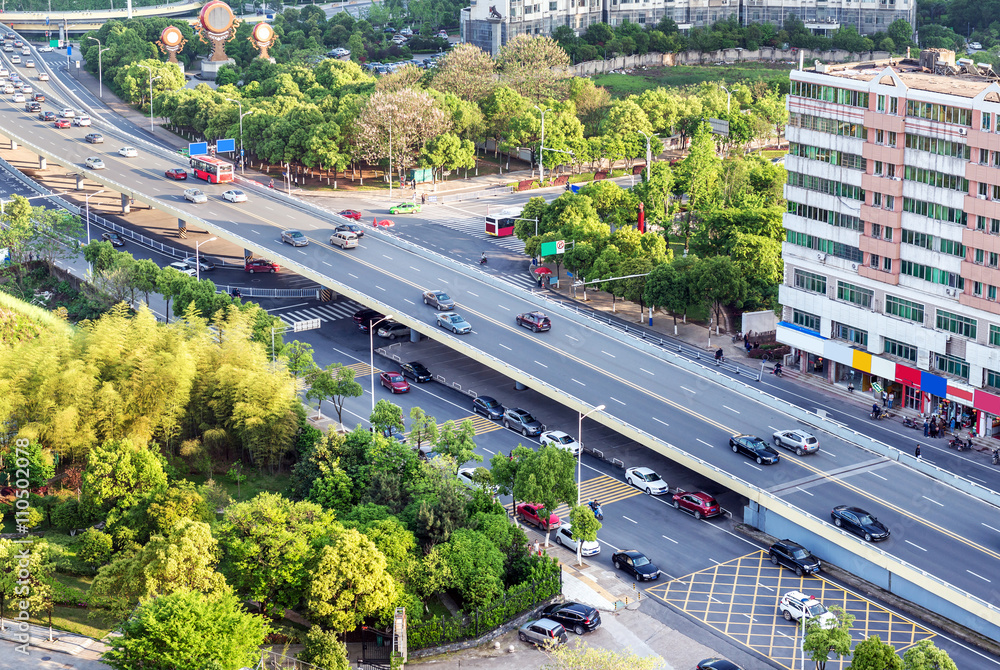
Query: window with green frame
x=956 y=323
x=995 y=335
x=851 y=334
x=904 y=309
x=993 y=379
x=806 y=320
x=951 y=365
x=900 y=350
x=810 y=281
x=855 y=294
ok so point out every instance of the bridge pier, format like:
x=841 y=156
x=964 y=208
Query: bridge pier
x=414 y=336
x=41 y=163
x=126 y=203
x=182 y=229
x=79 y=182
x=519 y=386
x=13 y=145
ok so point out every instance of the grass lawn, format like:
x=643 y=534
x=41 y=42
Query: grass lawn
x=623 y=85
x=255 y=483
x=78 y=620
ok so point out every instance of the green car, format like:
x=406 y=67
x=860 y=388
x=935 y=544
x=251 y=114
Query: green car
x=405 y=208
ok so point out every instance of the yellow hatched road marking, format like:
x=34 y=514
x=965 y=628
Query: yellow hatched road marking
x=603 y=489
x=362 y=369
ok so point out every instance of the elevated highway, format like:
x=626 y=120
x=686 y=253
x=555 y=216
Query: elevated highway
x=83 y=21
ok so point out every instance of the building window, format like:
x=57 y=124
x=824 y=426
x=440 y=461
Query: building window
x=951 y=365
x=995 y=335
x=933 y=275
x=876 y=231
x=810 y=281
x=827 y=186
x=993 y=379
x=986 y=118
x=904 y=309
x=933 y=210
x=855 y=294
x=984 y=156
x=917 y=239
x=874 y=260
x=900 y=350
x=826 y=216
x=886 y=264
x=851 y=334
x=991 y=292
x=806 y=320
x=837 y=249
x=943 y=113
x=956 y=323
x=977 y=289
x=952 y=248
x=937 y=146
x=935 y=178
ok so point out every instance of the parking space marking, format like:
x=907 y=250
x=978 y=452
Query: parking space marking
x=739 y=599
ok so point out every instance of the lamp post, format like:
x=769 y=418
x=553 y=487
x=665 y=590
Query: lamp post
x=100 y=68
x=371 y=344
x=729 y=99
x=197 y=262
x=579 y=454
x=243 y=169
x=390 y=191
x=87 y=200
x=649 y=156
x=151 y=78
x=541 y=148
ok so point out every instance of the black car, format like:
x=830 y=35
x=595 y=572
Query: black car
x=795 y=557
x=488 y=407
x=350 y=228
x=365 y=317
x=755 y=448
x=114 y=238
x=522 y=421
x=717 y=664
x=32 y=106
x=415 y=371
x=636 y=564
x=859 y=522
x=576 y=617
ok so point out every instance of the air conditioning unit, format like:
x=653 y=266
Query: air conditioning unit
x=963 y=132
x=896 y=179
x=821 y=258
x=981 y=196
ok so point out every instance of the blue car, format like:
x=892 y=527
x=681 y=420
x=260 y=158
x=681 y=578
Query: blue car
x=453 y=322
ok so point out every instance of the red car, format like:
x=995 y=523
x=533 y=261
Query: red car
x=697 y=504
x=529 y=514
x=261 y=265
x=179 y=174
x=394 y=381
x=350 y=214
x=534 y=320
x=61 y=123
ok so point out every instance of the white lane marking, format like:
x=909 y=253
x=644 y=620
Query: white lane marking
x=991 y=527
x=471 y=293
x=413 y=268
x=879 y=476
x=914 y=545
x=504 y=308
x=325 y=263
x=932 y=500
x=731 y=409
x=663 y=422
x=628 y=519
x=804 y=491
x=577 y=381
x=572 y=338
x=670 y=538
x=706 y=443
x=301 y=252
x=754 y=467
x=505 y=347
x=607 y=354
x=379 y=287
x=443 y=281
x=616 y=400
x=256 y=232
x=542 y=364
x=352 y=275
x=773 y=428
x=980 y=576
x=389 y=257
x=646 y=371
x=409 y=301
x=491 y=453
x=298 y=304
x=763 y=586
x=687 y=389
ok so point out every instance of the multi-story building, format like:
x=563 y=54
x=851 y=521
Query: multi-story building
x=489 y=24
x=892 y=248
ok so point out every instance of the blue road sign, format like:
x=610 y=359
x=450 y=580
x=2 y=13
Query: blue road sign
x=197 y=148
x=46 y=20
x=69 y=49
x=224 y=146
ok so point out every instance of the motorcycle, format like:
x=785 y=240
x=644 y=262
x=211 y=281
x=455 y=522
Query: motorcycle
x=776 y=371
x=910 y=423
x=996 y=457
x=960 y=444
x=880 y=414
x=596 y=508
x=482 y=261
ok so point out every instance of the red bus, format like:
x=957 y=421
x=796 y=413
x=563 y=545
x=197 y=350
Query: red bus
x=212 y=169
x=502 y=224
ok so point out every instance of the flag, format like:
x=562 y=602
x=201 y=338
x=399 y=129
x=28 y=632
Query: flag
x=642 y=218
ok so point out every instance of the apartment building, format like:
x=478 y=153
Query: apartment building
x=892 y=248
x=489 y=24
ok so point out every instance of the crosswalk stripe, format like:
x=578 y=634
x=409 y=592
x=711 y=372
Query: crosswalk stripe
x=604 y=489
x=362 y=369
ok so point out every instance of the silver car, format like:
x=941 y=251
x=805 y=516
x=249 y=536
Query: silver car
x=195 y=195
x=798 y=441
x=453 y=322
x=295 y=238
x=439 y=300
x=543 y=633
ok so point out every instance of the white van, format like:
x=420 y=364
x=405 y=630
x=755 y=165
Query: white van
x=344 y=239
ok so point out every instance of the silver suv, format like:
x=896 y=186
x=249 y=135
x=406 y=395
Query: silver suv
x=543 y=633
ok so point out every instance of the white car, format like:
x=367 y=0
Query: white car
x=564 y=536
x=67 y=113
x=94 y=163
x=15 y=59
x=45 y=49
x=647 y=480
x=9 y=88
x=29 y=63
x=4 y=72
x=43 y=76
x=128 y=152
x=19 y=97
x=234 y=196
x=560 y=440
x=796 y=605
x=465 y=475
x=26 y=89
x=195 y=195
x=82 y=121
x=181 y=267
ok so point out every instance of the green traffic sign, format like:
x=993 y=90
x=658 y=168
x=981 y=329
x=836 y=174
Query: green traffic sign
x=553 y=248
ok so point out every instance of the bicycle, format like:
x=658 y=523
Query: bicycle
x=738 y=337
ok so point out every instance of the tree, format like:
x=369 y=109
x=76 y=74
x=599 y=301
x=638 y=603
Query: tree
x=29 y=462
x=325 y=650
x=299 y=357
x=423 y=428
x=17 y=558
x=94 y=548
x=698 y=173
x=17 y=229
x=534 y=66
x=585 y=657
x=334 y=383
x=874 y=654
x=412 y=117
x=56 y=235
x=667 y=288
x=467 y=71
x=584 y=525
x=476 y=566
x=447 y=152
x=925 y=656
x=145 y=274
x=188 y=631
x=717 y=282
x=458 y=443
x=820 y=642
x=118 y=473
x=132 y=81
x=547 y=477
x=386 y=416
x=169 y=283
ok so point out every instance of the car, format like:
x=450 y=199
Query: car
x=47 y=116
x=796 y=605
x=488 y=406
x=114 y=238
x=38 y=97
x=521 y=421
x=43 y=76
x=18 y=97
x=29 y=63
x=365 y=317
x=636 y=564
x=716 y=664
x=394 y=433
x=529 y=513
x=564 y=536
x=45 y=49
x=15 y=59
x=405 y=208
x=393 y=329
x=82 y=121
x=350 y=228
x=260 y=265
x=406 y=31
x=795 y=557
x=295 y=238
x=439 y=300
x=975 y=45
x=696 y=503
x=350 y=214
x=26 y=89
x=181 y=267
x=443 y=34
x=859 y=522
x=8 y=88
x=61 y=123
x=394 y=381
x=453 y=322
x=32 y=107
x=18 y=86
x=94 y=138
x=344 y=239
x=179 y=174
x=234 y=195
x=467 y=476
x=203 y=262
x=755 y=448
x=534 y=320
x=560 y=440
x=543 y=633
x=195 y=195
x=18 y=44
x=67 y=113
x=8 y=48
x=576 y=617
x=798 y=441
x=388 y=30
x=128 y=152
x=94 y=163
x=416 y=371
x=647 y=480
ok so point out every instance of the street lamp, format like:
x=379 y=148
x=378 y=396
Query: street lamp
x=541 y=149
x=243 y=169
x=151 y=78
x=87 y=199
x=649 y=156
x=579 y=454
x=100 y=68
x=371 y=344
x=729 y=98
x=390 y=193
x=197 y=263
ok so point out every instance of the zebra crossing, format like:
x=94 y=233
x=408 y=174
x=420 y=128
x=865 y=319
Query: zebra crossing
x=325 y=312
x=362 y=369
x=603 y=489
x=475 y=226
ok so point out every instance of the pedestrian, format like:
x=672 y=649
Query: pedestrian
x=885 y=397
x=934 y=428
x=892 y=397
x=916 y=452
x=746 y=339
x=756 y=345
x=423 y=198
x=536 y=548
x=748 y=346
x=953 y=425
x=271 y=184
x=927 y=427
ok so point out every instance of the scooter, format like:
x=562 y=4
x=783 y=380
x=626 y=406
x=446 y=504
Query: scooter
x=910 y=423
x=880 y=414
x=776 y=371
x=996 y=457
x=482 y=261
x=596 y=508
x=960 y=444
